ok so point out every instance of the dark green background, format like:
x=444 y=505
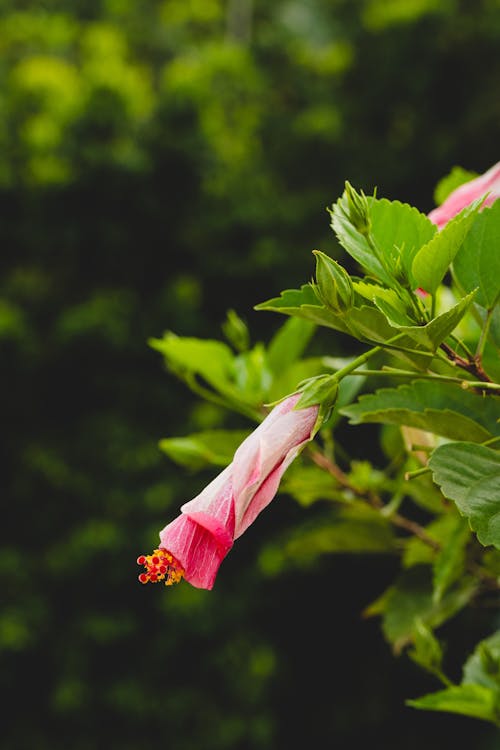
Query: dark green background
x=161 y=162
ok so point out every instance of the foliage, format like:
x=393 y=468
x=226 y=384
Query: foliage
x=450 y=404
x=161 y=162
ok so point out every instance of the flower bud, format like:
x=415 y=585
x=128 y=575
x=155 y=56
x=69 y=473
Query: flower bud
x=333 y=284
x=236 y=331
x=358 y=211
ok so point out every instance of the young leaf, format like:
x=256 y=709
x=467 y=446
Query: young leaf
x=431 y=406
x=432 y=261
x=212 y=360
x=477 y=263
x=469 y=474
x=397 y=230
x=470 y=700
x=430 y=336
x=303 y=303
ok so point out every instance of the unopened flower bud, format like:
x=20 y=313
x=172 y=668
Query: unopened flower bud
x=333 y=284
x=236 y=331
x=358 y=210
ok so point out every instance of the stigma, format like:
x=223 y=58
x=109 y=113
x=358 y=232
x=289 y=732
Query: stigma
x=160 y=566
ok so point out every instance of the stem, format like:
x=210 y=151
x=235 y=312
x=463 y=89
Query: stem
x=433 y=305
x=365 y=357
x=396 y=518
x=484 y=335
x=473 y=367
x=396 y=373
x=417 y=473
x=463 y=346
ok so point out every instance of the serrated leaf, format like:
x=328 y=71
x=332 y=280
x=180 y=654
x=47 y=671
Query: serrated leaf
x=289 y=343
x=387 y=300
x=431 y=335
x=477 y=263
x=469 y=474
x=397 y=230
x=209 y=448
x=303 y=303
x=431 y=406
x=470 y=700
x=433 y=260
x=446 y=185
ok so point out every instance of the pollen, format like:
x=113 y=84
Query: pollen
x=160 y=566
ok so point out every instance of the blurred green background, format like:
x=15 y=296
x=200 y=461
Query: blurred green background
x=161 y=162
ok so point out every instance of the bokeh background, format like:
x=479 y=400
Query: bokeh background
x=163 y=161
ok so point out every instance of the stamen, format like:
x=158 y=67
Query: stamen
x=159 y=566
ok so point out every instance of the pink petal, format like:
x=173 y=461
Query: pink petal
x=198 y=551
x=489 y=182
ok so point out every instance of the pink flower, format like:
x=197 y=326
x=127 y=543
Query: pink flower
x=195 y=543
x=489 y=182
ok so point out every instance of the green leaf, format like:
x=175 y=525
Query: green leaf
x=288 y=344
x=432 y=261
x=236 y=331
x=387 y=300
x=458 y=176
x=411 y=601
x=430 y=336
x=397 y=230
x=202 y=449
x=470 y=700
x=450 y=561
x=427 y=651
x=303 y=303
x=469 y=474
x=348 y=529
x=429 y=405
x=483 y=666
x=250 y=375
x=416 y=552
x=211 y=359
x=308 y=484
x=477 y=263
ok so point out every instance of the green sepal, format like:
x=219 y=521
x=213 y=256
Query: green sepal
x=333 y=284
